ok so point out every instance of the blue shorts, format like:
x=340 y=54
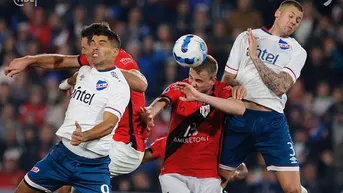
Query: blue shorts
x=63 y=167
x=265 y=132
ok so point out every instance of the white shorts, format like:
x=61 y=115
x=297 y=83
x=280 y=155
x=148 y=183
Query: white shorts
x=176 y=183
x=124 y=158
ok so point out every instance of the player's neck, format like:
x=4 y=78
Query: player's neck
x=275 y=31
x=103 y=65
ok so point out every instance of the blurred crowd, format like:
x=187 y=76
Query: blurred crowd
x=32 y=108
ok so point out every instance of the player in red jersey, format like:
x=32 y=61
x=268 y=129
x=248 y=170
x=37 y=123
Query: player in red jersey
x=157 y=149
x=190 y=162
x=130 y=136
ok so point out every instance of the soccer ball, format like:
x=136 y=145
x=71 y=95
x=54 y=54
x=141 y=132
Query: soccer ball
x=190 y=50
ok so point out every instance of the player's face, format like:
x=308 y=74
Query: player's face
x=288 y=19
x=85 y=49
x=102 y=50
x=84 y=46
x=202 y=81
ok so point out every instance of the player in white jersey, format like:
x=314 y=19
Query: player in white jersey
x=267 y=63
x=97 y=103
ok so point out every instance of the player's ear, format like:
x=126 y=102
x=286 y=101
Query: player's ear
x=277 y=13
x=213 y=80
x=115 y=52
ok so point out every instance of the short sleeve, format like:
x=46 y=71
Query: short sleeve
x=171 y=93
x=236 y=54
x=158 y=147
x=82 y=59
x=118 y=99
x=296 y=64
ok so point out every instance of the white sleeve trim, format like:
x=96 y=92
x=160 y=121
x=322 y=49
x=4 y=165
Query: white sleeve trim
x=290 y=72
x=230 y=69
x=114 y=111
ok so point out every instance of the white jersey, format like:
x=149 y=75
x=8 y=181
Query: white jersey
x=278 y=54
x=94 y=93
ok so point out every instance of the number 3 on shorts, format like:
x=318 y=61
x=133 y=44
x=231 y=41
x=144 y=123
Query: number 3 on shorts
x=105 y=188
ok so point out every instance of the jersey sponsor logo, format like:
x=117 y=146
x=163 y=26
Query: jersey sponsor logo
x=205 y=110
x=35 y=169
x=265 y=55
x=82 y=96
x=126 y=60
x=190 y=136
x=82 y=77
x=101 y=85
x=283 y=45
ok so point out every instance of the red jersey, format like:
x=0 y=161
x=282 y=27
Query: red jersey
x=158 y=147
x=194 y=139
x=129 y=128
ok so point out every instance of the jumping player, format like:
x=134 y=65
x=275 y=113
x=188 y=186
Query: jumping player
x=128 y=150
x=97 y=103
x=190 y=160
x=267 y=63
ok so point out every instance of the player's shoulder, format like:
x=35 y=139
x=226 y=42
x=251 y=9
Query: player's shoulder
x=296 y=46
x=125 y=61
x=85 y=69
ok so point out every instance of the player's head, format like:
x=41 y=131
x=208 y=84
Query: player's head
x=105 y=46
x=203 y=77
x=288 y=17
x=87 y=34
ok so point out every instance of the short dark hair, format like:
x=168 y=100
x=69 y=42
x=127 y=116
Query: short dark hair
x=112 y=36
x=209 y=65
x=88 y=31
x=294 y=3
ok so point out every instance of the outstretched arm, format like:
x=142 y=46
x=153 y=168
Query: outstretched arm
x=46 y=61
x=279 y=83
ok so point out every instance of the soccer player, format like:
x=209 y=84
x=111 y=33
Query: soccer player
x=190 y=160
x=158 y=147
x=267 y=63
x=129 y=139
x=97 y=103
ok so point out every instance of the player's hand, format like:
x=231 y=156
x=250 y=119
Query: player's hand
x=191 y=94
x=77 y=136
x=238 y=92
x=240 y=173
x=252 y=45
x=146 y=117
x=16 y=66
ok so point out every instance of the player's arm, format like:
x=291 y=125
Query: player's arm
x=281 y=82
x=135 y=79
x=69 y=82
x=102 y=129
x=148 y=156
x=235 y=57
x=227 y=105
x=229 y=79
x=46 y=61
x=155 y=151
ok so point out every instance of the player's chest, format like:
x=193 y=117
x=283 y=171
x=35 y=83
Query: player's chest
x=90 y=90
x=277 y=52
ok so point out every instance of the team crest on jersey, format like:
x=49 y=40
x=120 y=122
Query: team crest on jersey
x=205 y=110
x=101 y=85
x=35 y=169
x=283 y=45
